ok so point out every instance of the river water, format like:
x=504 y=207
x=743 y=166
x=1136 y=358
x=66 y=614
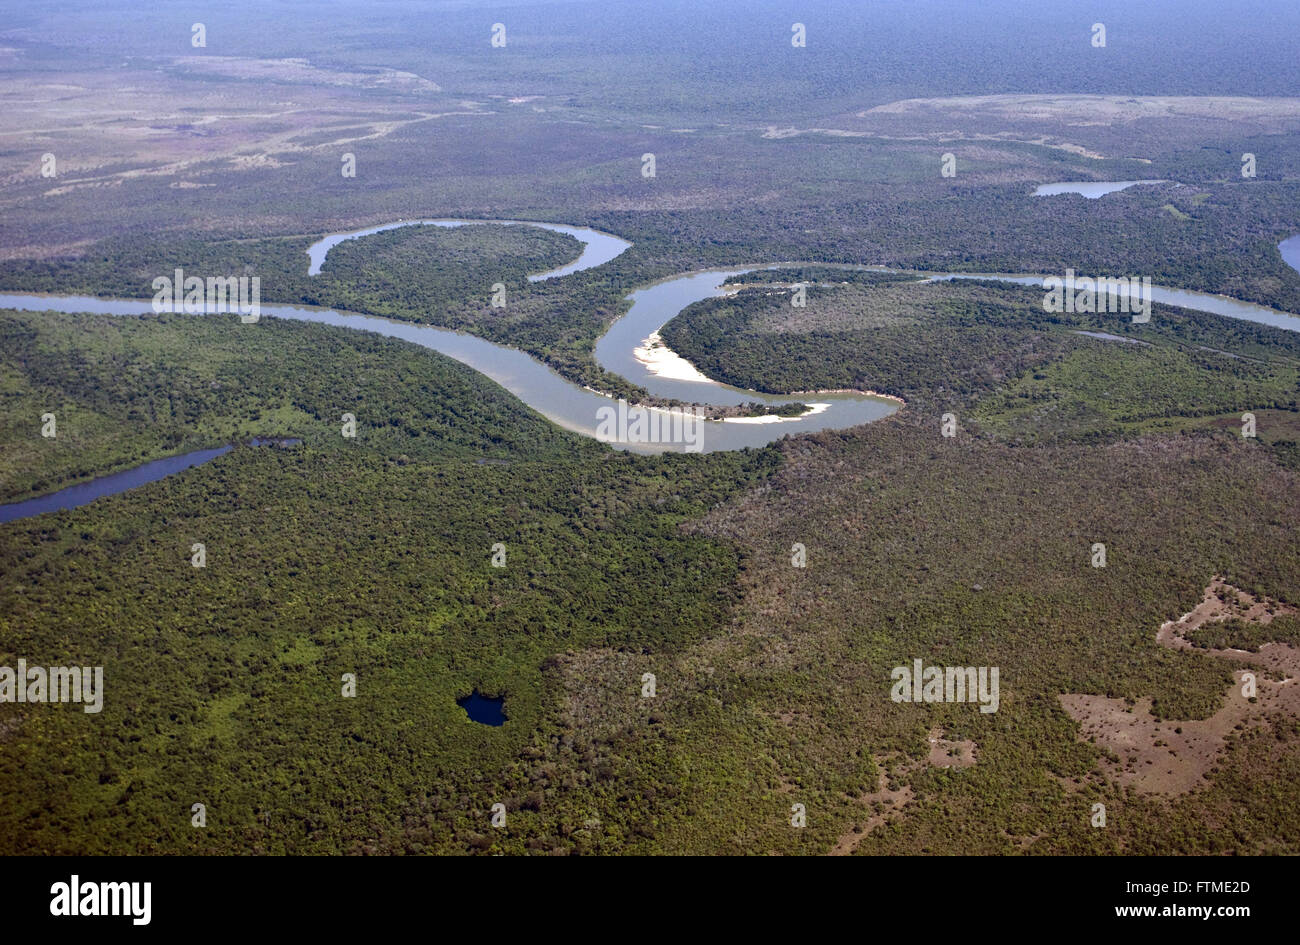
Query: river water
x=597 y=248
x=564 y=403
x=84 y=492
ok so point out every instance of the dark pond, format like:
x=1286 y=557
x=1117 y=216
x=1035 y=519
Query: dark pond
x=484 y=709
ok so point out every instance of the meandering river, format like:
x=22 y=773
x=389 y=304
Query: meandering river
x=541 y=388
x=597 y=248
x=626 y=348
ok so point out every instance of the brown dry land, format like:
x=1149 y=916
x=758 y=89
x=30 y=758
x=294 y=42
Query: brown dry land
x=176 y=122
x=1174 y=757
x=1100 y=109
x=1098 y=126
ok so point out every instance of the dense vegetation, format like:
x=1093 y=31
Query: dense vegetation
x=794 y=275
x=373 y=555
x=403 y=273
x=1241 y=635
x=429 y=274
x=370 y=555
x=972 y=552
x=989 y=352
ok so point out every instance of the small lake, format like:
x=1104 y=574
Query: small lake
x=485 y=710
x=85 y=492
x=1092 y=189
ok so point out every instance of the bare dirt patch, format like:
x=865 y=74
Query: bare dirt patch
x=1090 y=126
x=190 y=118
x=302 y=72
x=941 y=137
x=1099 y=109
x=1222 y=601
x=1174 y=757
x=949 y=753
